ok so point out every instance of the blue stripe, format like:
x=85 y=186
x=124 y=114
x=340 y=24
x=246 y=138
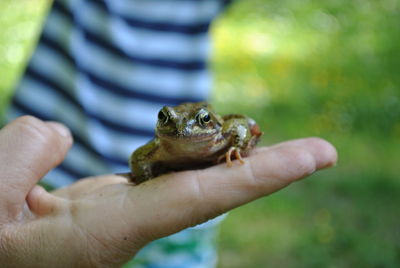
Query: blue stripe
x=62 y=9
x=194 y=29
x=77 y=139
x=125 y=91
x=67 y=96
x=195 y=65
x=122 y=91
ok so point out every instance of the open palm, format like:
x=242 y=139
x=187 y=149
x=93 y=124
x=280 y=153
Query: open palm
x=105 y=220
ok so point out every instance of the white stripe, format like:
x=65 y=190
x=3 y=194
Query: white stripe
x=182 y=12
x=124 y=111
x=84 y=162
x=110 y=143
x=151 y=44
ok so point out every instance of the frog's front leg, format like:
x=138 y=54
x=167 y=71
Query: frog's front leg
x=141 y=163
x=238 y=128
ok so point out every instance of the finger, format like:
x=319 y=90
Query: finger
x=29 y=148
x=321 y=155
x=41 y=203
x=176 y=201
x=88 y=185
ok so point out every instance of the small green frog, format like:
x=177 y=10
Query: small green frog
x=193 y=136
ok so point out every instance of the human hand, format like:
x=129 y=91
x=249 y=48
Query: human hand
x=103 y=221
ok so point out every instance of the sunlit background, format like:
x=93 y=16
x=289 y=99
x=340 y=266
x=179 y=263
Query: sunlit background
x=328 y=68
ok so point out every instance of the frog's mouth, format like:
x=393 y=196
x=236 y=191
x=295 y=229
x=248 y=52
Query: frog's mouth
x=187 y=136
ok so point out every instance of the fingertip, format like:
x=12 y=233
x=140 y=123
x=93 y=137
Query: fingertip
x=283 y=164
x=324 y=152
x=40 y=201
x=62 y=130
x=33 y=197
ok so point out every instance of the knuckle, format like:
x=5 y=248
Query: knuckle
x=35 y=129
x=40 y=134
x=41 y=138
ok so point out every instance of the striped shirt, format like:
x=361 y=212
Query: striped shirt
x=105 y=67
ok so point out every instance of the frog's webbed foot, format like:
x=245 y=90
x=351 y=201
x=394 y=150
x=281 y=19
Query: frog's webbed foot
x=228 y=156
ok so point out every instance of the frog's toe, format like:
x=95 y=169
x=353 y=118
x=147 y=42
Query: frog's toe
x=239 y=156
x=228 y=156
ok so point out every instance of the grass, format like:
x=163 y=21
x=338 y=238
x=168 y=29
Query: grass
x=304 y=68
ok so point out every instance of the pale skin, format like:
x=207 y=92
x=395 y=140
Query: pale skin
x=104 y=221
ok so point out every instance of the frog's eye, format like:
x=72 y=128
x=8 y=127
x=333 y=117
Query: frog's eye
x=206 y=118
x=203 y=118
x=163 y=116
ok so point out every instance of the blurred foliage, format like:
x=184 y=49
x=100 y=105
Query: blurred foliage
x=19 y=25
x=326 y=68
x=334 y=64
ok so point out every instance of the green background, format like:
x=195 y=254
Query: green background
x=328 y=68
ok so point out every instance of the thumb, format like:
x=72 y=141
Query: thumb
x=29 y=148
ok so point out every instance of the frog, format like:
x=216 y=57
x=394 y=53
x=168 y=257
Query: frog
x=193 y=136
